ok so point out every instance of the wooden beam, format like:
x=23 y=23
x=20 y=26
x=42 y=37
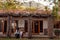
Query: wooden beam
x=29 y=28
x=8 y=27
x=50 y=27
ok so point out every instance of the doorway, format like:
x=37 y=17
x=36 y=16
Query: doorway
x=1 y=27
x=5 y=27
x=37 y=26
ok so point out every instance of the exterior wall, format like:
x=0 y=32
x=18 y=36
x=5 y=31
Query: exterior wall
x=21 y=23
x=45 y=24
x=45 y=27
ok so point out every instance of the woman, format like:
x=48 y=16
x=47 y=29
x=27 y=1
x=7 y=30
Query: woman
x=21 y=34
x=17 y=33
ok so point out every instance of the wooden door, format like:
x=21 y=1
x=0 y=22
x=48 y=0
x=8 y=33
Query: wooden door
x=35 y=27
x=5 y=26
x=1 y=26
x=14 y=26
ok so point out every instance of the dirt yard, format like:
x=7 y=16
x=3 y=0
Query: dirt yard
x=29 y=39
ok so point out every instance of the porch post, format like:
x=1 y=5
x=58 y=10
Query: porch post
x=50 y=27
x=8 y=26
x=11 y=21
x=29 y=28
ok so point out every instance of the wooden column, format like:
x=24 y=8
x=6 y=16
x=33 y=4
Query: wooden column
x=29 y=28
x=11 y=21
x=50 y=27
x=8 y=26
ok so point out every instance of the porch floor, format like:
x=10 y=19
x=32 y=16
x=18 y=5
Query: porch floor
x=26 y=35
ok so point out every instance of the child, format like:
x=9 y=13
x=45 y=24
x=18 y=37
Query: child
x=21 y=34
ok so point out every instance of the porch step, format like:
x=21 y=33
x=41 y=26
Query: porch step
x=37 y=36
x=3 y=35
x=25 y=35
x=40 y=36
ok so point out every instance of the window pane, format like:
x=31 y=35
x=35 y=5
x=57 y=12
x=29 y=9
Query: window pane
x=26 y=26
x=41 y=26
x=36 y=26
x=0 y=26
x=5 y=26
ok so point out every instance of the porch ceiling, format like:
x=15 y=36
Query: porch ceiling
x=37 y=15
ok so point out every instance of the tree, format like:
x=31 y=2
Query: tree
x=55 y=10
x=1 y=6
x=32 y=9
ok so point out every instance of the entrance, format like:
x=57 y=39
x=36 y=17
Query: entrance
x=5 y=27
x=37 y=26
x=15 y=26
x=1 y=26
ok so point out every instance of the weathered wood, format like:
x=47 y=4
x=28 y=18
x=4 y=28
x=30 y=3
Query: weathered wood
x=12 y=21
x=26 y=15
x=50 y=27
x=29 y=28
x=8 y=27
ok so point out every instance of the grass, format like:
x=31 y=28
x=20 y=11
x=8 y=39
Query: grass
x=29 y=39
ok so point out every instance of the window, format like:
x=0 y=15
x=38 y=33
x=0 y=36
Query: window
x=36 y=26
x=57 y=25
x=16 y=21
x=5 y=26
x=26 y=26
x=58 y=0
x=0 y=26
x=41 y=26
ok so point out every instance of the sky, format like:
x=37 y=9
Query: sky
x=49 y=3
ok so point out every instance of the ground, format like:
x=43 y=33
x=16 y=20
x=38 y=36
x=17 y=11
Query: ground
x=29 y=39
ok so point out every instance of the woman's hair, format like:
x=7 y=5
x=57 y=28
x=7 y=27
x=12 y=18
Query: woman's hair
x=17 y=28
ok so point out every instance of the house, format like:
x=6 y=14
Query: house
x=39 y=23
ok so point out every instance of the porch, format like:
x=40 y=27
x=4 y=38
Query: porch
x=33 y=25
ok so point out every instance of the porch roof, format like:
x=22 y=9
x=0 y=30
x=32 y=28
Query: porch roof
x=17 y=11
x=26 y=13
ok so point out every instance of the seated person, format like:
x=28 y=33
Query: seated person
x=17 y=33
x=21 y=34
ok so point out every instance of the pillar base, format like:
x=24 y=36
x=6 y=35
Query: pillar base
x=29 y=37
x=51 y=37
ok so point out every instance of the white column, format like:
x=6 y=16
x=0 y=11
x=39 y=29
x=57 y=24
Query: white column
x=21 y=23
x=45 y=24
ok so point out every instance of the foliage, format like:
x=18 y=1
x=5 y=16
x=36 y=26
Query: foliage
x=55 y=11
x=9 y=5
x=31 y=8
x=21 y=7
x=1 y=6
x=57 y=32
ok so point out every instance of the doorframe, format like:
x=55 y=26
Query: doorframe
x=33 y=32
x=2 y=25
x=6 y=27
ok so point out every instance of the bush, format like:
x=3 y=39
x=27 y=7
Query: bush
x=57 y=32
